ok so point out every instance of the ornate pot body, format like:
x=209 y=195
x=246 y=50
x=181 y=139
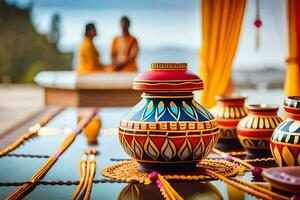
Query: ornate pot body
x=255 y=130
x=168 y=130
x=228 y=112
x=285 y=141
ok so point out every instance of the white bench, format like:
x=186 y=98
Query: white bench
x=66 y=88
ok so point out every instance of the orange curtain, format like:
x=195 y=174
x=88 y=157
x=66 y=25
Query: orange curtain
x=292 y=81
x=221 y=26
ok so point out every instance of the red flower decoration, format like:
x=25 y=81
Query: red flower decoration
x=257 y=23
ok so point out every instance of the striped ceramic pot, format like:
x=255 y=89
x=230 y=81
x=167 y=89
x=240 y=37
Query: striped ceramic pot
x=255 y=130
x=229 y=111
x=285 y=141
x=168 y=130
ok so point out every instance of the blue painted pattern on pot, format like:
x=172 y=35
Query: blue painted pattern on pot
x=161 y=109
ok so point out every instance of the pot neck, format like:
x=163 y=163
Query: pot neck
x=183 y=95
x=263 y=112
x=262 y=109
x=292 y=107
x=231 y=102
x=292 y=113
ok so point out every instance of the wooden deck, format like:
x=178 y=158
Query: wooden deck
x=18 y=102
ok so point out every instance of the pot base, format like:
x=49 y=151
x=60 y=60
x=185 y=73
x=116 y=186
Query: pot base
x=258 y=153
x=167 y=168
x=229 y=145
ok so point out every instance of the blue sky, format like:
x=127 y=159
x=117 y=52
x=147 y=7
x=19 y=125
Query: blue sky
x=119 y=4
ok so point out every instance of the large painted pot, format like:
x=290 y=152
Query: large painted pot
x=285 y=141
x=255 y=130
x=229 y=110
x=168 y=130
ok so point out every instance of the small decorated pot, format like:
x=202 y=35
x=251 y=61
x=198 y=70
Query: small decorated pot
x=255 y=130
x=285 y=141
x=168 y=130
x=229 y=110
x=91 y=131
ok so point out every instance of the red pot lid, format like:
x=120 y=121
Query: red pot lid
x=166 y=77
x=263 y=109
x=231 y=99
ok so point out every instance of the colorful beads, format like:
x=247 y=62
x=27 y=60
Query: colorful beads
x=256 y=172
x=153 y=176
x=229 y=158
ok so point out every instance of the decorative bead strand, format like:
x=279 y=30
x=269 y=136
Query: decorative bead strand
x=164 y=193
x=18 y=142
x=169 y=188
x=59 y=182
x=24 y=189
x=32 y=132
x=231 y=158
x=261 y=189
x=92 y=171
x=26 y=155
x=237 y=153
x=259 y=160
x=256 y=171
x=82 y=172
x=164 y=186
x=247 y=189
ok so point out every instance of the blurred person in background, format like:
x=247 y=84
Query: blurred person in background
x=88 y=54
x=124 y=49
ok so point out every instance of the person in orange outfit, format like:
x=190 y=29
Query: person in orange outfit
x=88 y=54
x=124 y=49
